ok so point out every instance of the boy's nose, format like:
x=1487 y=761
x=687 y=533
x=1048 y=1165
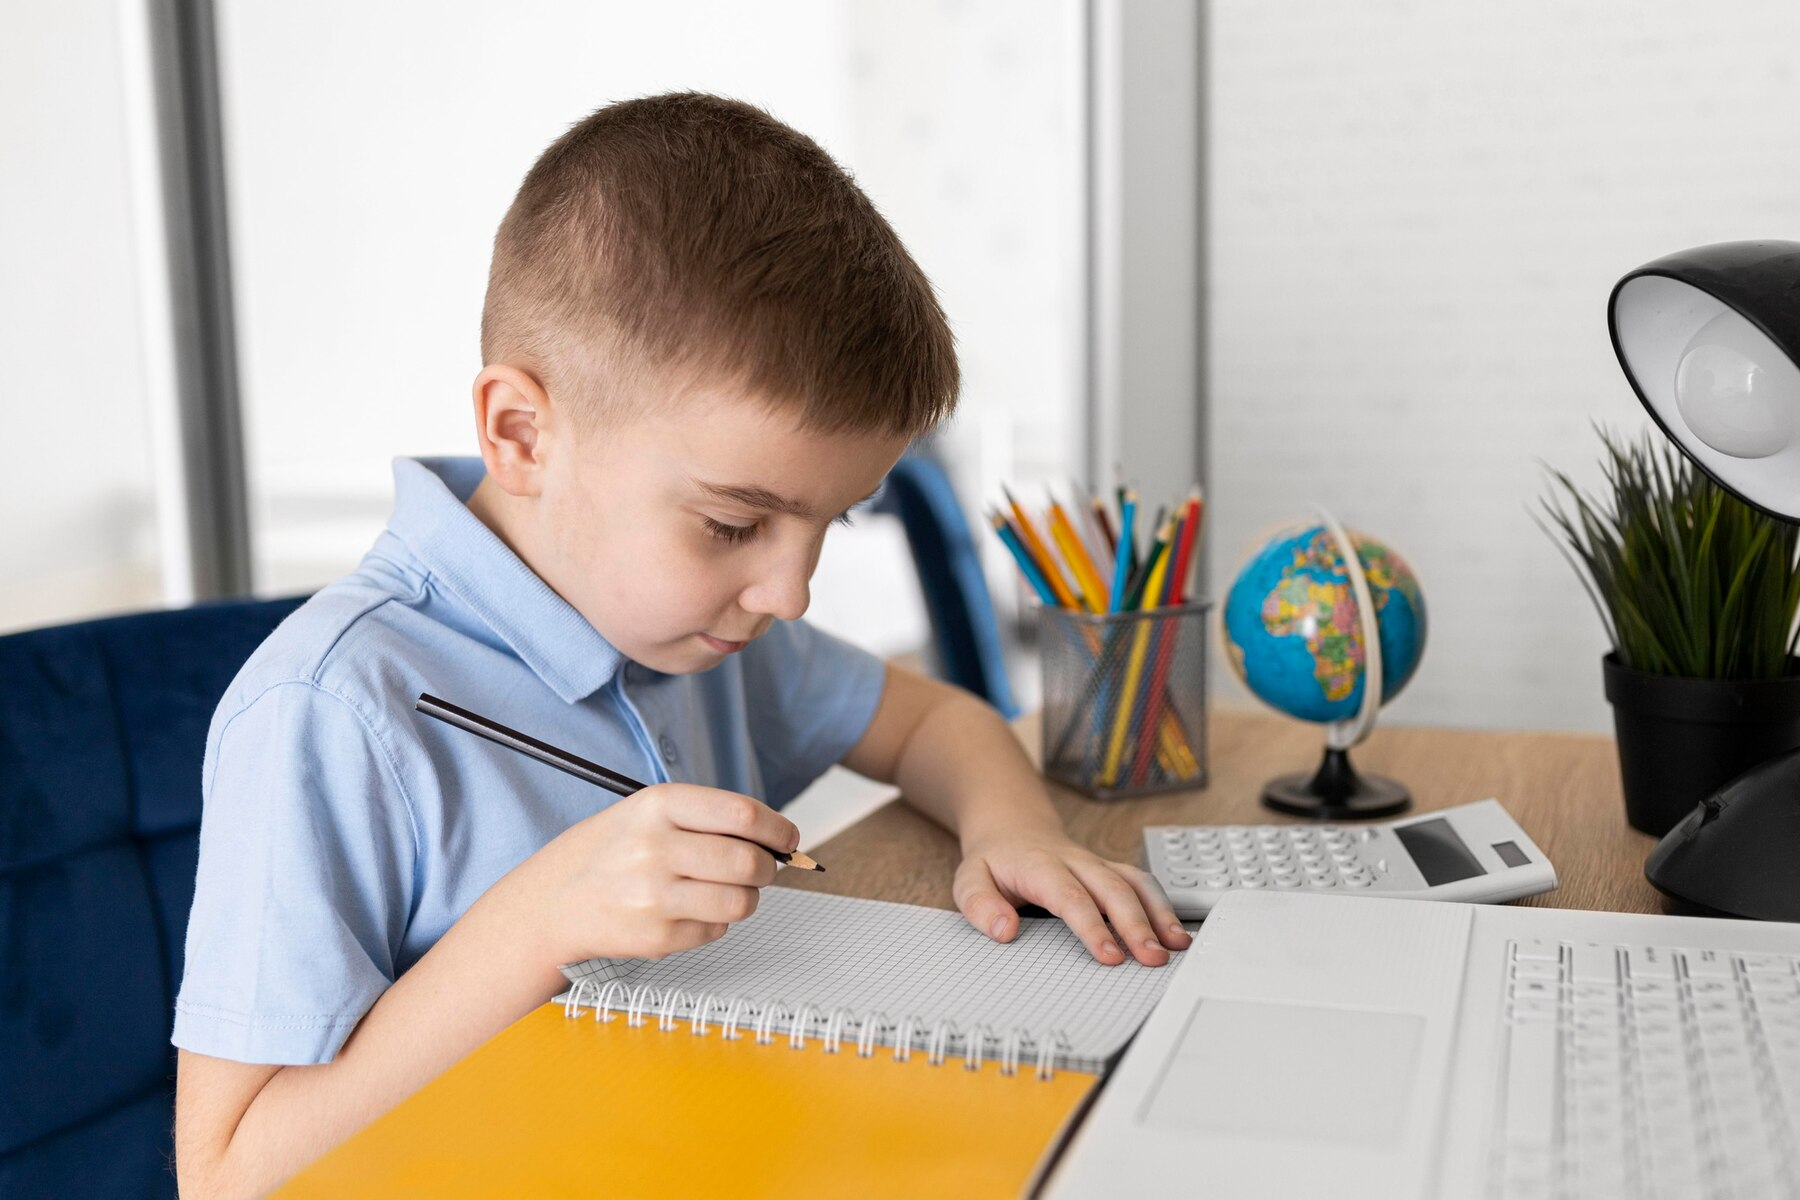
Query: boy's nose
x=784 y=596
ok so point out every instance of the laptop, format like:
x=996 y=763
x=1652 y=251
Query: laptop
x=1313 y=1046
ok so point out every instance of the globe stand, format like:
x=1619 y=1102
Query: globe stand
x=1335 y=792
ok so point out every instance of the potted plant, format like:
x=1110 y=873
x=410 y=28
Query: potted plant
x=1698 y=592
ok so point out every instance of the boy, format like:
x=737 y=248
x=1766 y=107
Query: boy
x=703 y=345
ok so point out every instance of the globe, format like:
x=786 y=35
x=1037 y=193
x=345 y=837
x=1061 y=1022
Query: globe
x=1293 y=632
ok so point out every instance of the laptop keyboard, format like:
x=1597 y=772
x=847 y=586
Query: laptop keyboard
x=1648 y=1071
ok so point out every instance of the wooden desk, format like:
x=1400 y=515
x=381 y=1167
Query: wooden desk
x=1562 y=787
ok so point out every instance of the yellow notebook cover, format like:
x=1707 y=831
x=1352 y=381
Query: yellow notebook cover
x=844 y=1047
x=556 y=1106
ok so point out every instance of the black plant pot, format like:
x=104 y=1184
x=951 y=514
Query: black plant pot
x=1681 y=740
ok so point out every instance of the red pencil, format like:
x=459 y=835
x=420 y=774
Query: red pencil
x=1166 y=639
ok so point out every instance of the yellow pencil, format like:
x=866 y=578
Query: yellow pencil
x=1134 y=669
x=1080 y=565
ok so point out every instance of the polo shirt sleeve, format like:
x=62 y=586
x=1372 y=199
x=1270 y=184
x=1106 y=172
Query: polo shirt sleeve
x=810 y=698
x=307 y=850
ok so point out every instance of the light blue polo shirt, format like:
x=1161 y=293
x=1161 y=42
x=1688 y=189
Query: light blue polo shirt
x=343 y=833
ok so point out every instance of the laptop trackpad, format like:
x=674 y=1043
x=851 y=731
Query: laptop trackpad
x=1290 y=1072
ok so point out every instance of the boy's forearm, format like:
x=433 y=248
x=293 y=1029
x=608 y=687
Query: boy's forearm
x=480 y=977
x=963 y=767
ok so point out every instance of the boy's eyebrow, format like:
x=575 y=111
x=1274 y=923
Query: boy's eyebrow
x=763 y=498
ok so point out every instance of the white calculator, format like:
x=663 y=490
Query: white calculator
x=1475 y=852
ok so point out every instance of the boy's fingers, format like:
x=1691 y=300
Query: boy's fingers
x=1162 y=914
x=1063 y=895
x=1124 y=910
x=713 y=810
x=980 y=900
x=712 y=903
x=686 y=935
x=712 y=858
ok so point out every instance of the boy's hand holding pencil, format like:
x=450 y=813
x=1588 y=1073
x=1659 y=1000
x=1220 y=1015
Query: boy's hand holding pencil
x=665 y=869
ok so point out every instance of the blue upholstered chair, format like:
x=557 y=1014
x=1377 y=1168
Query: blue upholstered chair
x=102 y=727
x=963 y=627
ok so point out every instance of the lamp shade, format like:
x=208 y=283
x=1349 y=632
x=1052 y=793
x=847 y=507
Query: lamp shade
x=1710 y=340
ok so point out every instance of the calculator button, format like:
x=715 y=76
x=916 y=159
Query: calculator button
x=1347 y=857
x=1323 y=881
x=1287 y=881
x=1358 y=881
x=1330 y=829
x=1285 y=870
x=1218 y=882
x=1184 y=879
x=1254 y=883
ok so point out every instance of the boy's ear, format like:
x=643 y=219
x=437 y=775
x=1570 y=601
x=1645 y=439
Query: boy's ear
x=512 y=412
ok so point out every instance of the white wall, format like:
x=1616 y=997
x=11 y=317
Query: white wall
x=1416 y=214
x=77 y=531
x=372 y=150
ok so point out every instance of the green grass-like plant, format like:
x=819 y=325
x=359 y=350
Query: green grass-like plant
x=1688 y=579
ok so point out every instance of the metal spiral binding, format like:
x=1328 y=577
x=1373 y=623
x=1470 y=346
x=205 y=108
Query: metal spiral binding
x=766 y=1020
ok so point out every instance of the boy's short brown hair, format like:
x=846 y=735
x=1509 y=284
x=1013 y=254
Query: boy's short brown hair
x=691 y=233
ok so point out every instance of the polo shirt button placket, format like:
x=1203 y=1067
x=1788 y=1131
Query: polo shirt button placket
x=667 y=745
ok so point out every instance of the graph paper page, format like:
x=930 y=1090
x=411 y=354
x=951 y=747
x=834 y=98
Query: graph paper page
x=871 y=957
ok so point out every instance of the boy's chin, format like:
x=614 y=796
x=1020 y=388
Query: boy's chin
x=685 y=657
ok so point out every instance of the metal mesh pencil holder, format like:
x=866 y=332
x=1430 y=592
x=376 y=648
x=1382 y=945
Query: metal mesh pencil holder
x=1125 y=699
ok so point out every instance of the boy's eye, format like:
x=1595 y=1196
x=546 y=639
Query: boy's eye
x=728 y=533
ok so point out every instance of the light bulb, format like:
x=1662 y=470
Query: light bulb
x=1737 y=392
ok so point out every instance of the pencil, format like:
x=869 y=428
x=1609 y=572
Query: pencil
x=1040 y=553
x=1033 y=576
x=1124 y=553
x=1162 y=646
x=1156 y=565
x=1098 y=508
x=1087 y=578
x=562 y=760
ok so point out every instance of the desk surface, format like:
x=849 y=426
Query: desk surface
x=1563 y=788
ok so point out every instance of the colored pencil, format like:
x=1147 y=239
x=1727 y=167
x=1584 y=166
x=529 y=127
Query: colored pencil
x=1168 y=632
x=1027 y=568
x=1039 y=552
x=1104 y=520
x=1087 y=579
x=1123 y=552
x=1134 y=668
x=562 y=760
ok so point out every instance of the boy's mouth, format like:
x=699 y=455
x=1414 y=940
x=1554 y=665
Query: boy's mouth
x=721 y=645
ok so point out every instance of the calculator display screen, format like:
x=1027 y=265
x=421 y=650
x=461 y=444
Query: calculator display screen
x=1440 y=854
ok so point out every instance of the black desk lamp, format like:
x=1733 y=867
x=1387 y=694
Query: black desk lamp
x=1710 y=339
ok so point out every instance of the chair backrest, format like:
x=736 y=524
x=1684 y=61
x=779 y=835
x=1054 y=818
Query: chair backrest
x=963 y=626
x=102 y=729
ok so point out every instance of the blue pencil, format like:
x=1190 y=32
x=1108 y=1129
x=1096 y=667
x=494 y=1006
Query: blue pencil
x=1033 y=576
x=1122 y=565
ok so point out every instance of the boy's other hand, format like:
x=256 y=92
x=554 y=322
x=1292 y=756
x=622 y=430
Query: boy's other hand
x=1085 y=890
x=666 y=869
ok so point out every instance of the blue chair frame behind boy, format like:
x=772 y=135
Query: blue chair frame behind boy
x=918 y=491
x=102 y=728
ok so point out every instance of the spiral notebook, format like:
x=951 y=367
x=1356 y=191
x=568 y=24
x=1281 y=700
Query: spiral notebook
x=855 y=1045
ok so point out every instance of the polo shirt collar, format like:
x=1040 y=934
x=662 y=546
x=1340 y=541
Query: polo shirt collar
x=431 y=516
